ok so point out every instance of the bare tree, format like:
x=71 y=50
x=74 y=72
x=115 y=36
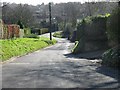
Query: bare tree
x=12 y=15
x=71 y=13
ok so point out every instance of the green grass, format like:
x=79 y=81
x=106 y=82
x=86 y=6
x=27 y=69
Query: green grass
x=22 y=46
x=58 y=34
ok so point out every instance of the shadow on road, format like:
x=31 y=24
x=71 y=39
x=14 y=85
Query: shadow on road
x=103 y=70
x=74 y=74
x=111 y=72
x=88 y=55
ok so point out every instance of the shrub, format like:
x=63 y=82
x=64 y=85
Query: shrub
x=5 y=32
x=44 y=30
x=81 y=29
x=61 y=26
x=112 y=57
x=31 y=36
x=91 y=34
x=20 y=24
x=11 y=31
x=113 y=27
x=68 y=30
x=48 y=42
x=58 y=34
x=27 y=31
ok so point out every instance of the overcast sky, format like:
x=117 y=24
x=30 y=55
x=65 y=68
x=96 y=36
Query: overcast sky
x=35 y=2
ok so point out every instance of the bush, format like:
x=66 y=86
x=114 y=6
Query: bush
x=112 y=57
x=31 y=36
x=96 y=27
x=27 y=31
x=61 y=26
x=20 y=24
x=58 y=34
x=68 y=30
x=49 y=42
x=73 y=36
x=113 y=27
x=80 y=29
x=44 y=30
x=91 y=34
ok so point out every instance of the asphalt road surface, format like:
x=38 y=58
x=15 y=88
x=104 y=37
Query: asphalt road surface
x=55 y=67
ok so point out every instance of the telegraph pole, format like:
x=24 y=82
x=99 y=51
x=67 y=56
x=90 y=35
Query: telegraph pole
x=89 y=8
x=50 y=21
x=118 y=3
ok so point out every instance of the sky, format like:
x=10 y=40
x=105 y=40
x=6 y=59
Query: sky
x=36 y=2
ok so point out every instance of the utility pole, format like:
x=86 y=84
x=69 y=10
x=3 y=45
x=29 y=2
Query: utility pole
x=118 y=3
x=89 y=8
x=50 y=21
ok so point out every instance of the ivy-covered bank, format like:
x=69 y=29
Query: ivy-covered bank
x=101 y=32
x=91 y=34
x=112 y=56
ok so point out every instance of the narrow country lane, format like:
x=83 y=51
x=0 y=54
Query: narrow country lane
x=53 y=67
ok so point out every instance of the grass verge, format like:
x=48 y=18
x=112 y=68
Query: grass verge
x=58 y=35
x=22 y=46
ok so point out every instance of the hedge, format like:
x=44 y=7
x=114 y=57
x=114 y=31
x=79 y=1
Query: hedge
x=112 y=57
x=44 y=30
x=91 y=34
